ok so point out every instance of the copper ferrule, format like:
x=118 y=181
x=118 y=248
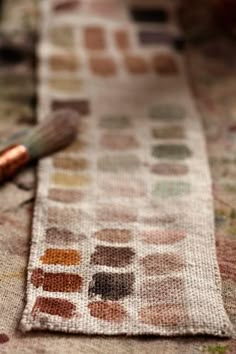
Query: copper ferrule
x=11 y=160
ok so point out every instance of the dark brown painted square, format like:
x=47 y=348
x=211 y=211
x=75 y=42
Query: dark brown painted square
x=66 y=5
x=81 y=106
x=112 y=256
x=149 y=14
x=112 y=286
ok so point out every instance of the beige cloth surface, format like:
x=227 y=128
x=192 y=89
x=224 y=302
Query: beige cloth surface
x=123 y=233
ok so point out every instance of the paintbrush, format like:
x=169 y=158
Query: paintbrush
x=53 y=134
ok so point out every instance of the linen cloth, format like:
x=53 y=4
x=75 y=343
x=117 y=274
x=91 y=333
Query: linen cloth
x=123 y=236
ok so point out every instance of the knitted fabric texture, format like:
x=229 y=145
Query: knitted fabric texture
x=123 y=233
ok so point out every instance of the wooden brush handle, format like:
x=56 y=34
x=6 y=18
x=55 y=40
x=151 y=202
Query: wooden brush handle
x=11 y=160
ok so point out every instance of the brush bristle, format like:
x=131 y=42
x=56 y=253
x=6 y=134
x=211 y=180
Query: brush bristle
x=53 y=134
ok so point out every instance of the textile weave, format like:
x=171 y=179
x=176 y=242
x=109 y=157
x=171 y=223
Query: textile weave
x=123 y=236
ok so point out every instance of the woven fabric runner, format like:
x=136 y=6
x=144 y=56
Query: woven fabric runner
x=123 y=232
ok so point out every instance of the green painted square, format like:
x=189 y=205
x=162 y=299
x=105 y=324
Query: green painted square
x=171 y=151
x=114 y=122
x=167 y=189
x=167 y=112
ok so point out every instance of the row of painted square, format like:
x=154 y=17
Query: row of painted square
x=114 y=252
x=95 y=37
x=109 y=66
x=140 y=14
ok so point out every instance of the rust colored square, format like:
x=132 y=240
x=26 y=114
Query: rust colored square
x=103 y=66
x=121 y=38
x=94 y=38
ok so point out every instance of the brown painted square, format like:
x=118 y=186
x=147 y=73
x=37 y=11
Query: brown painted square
x=94 y=38
x=136 y=64
x=81 y=106
x=121 y=38
x=164 y=64
x=103 y=66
